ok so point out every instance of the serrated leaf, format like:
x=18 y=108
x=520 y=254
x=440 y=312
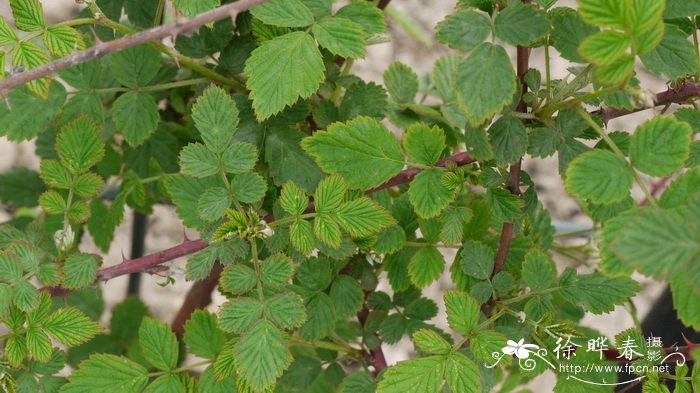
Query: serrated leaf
x=428 y=194
x=80 y=270
x=347 y=296
x=248 y=187
x=103 y=372
x=611 y=13
x=273 y=61
x=426 y=266
x=681 y=8
x=28 y=56
x=28 y=114
x=362 y=99
x=87 y=185
x=358 y=382
x=327 y=230
x=239 y=158
x=52 y=202
x=462 y=312
x=238 y=279
x=216 y=116
x=477 y=259
x=685 y=295
x=284 y=13
x=166 y=383
x=288 y=162
x=78 y=212
x=366 y=15
x=276 y=271
x=362 y=151
x=485 y=342
x=462 y=374
x=538 y=270
x=63 y=40
x=486 y=82
x=599 y=176
x=422 y=375
x=301 y=236
x=158 y=344
x=10 y=267
x=568 y=31
x=673 y=57
x=202 y=335
x=25 y=296
x=28 y=14
x=520 y=24
x=195 y=7
x=292 y=199
x=429 y=341
x=70 y=326
x=598 y=293
x=362 y=217
x=239 y=314
x=38 y=344
x=135 y=67
x=605 y=47
x=320 y=317
x=286 y=310
x=79 y=145
x=136 y=116
x=401 y=82
x=185 y=192
x=508 y=138
x=7 y=34
x=424 y=144
x=213 y=203
x=616 y=72
x=660 y=146
x=198 y=161
x=340 y=36
x=464 y=29
x=261 y=355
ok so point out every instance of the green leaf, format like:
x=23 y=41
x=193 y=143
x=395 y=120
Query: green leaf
x=508 y=138
x=10 y=267
x=645 y=15
x=70 y=326
x=453 y=220
x=284 y=13
x=327 y=230
x=681 y=8
x=158 y=344
x=685 y=295
x=166 y=383
x=185 y=192
x=347 y=296
x=198 y=161
x=136 y=66
x=673 y=57
x=288 y=162
x=368 y=16
x=362 y=217
x=538 y=270
x=611 y=13
x=136 y=116
x=424 y=144
x=8 y=35
x=568 y=31
x=462 y=312
x=29 y=55
x=293 y=200
x=202 y=335
x=52 y=202
x=28 y=114
x=362 y=151
x=329 y=194
x=87 y=185
x=79 y=145
x=428 y=194
x=340 y=36
x=213 y=204
x=238 y=279
x=276 y=271
x=301 y=236
x=286 y=310
x=462 y=374
x=605 y=47
x=485 y=342
x=401 y=82
x=477 y=259
x=422 y=375
x=269 y=66
x=239 y=158
x=520 y=24
x=598 y=293
x=38 y=344
x=426 y=266
x=28 y=14
x=358 y=382
x=486 y=83
x=464 y=30
x=248 y=187
x=261 y=355
x=25 y=296
x=362 y=99
x=195 y=7
x=80 y=270
x=429 y=341
x=658 y=243
x=599 y=176
x=103 y=372
x=63 y=40
x=616 y=72
x=660 y=146
x=216 y=116
x=239 y=314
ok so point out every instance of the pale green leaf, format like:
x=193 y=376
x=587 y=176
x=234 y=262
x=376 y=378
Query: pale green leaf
x=292 y=199
x=464 y=29
x=674 y=57
x=424 y=144
x=202 y=335
x=645 y=15
x=276 y=271
x=198 y=161
x=605 y=47
x=238 y=314
x=426 y=266
x=422 y=375
x=136 y=116
x=166 y=383
x=520 y=24
x=103 y=372
x=362 y=217
x=7 y=34
x=329 y=194
x=462 y=374
x=429 y=341
x=340 y=36
x=28 y=14
x=55 y=175
x=80 y=270
x=216 y=116
x=401 y=82
x=79 y=145
x=270 y=65
x=63 y=40
x=29 y=55
x=213 y=204
x=285 y=310
x=52 y=202
x=284 y=13
x=462 y=312
x=38 y=344
x=599 y=176
x=362 y=151
x=87 y=185
x=70 y=326
x=327 y=230
x=611 y=13
x=486 y=83
x=428 y=195
x=660 y=146
x=261 y=355
x=158 y=344
x=617 y=72
x=25 y=296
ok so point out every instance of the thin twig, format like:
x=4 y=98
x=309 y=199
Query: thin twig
x=671 y=96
